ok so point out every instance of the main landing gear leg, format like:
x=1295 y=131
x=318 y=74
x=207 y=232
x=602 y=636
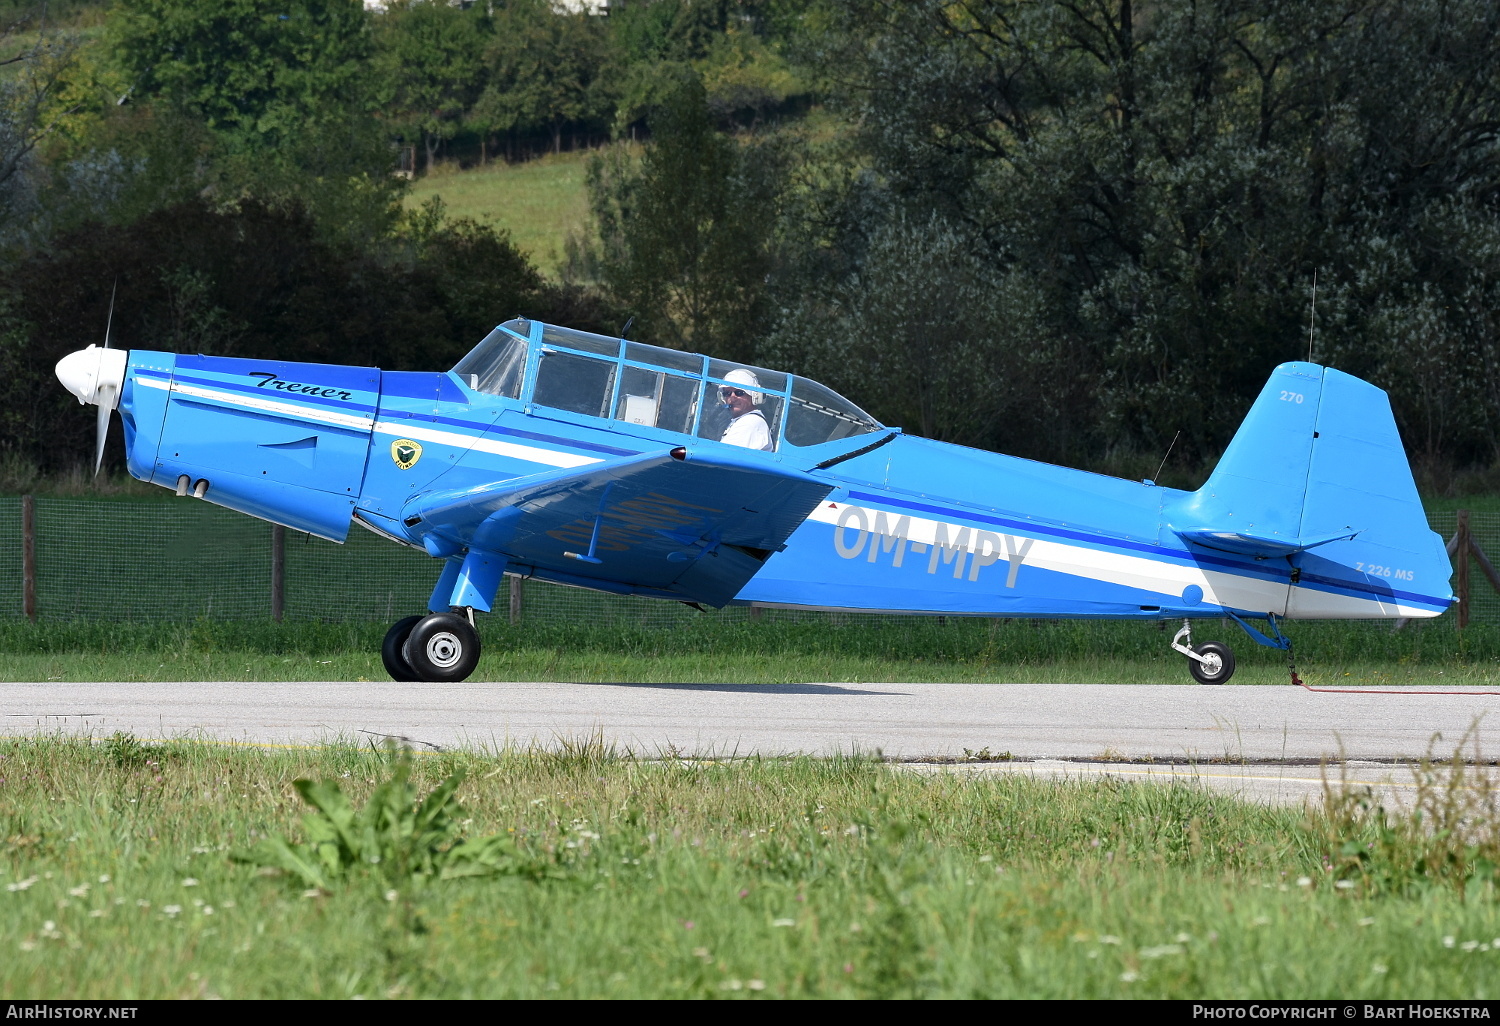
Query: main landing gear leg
x=439 y=647
x=1210 y=663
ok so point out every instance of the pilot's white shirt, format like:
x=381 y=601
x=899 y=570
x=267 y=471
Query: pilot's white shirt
x=749 y=430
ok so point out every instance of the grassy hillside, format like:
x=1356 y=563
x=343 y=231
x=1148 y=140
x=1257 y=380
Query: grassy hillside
x=539 y=202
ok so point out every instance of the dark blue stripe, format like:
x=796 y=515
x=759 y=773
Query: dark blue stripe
x=341 y=405
x=1156 y=551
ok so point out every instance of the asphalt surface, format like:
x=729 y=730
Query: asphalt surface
x=1190 y=724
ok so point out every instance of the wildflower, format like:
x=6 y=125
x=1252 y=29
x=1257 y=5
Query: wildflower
x=79 y=891
x=104 y=878
x=208 y=910
x=731 y=985
x=1447 y=942
x=783 y=922
x=391 y=895
x=744 y=892
x=1108 y=938
x=756 y=984
x=688 y=924
x=1469 y=945
x=190 y=882
x=1304 y=881
x=1367 y=921
x=1344 y=885
x=1379 y=968
x=702 y=953
x=1183 y=938
x=97 y=913
x=848 y=967
x=1129 y=976
x=171 y=910
x=1162 y=950
x=21 y=885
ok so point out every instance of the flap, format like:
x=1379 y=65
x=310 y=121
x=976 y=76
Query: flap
x=693 y=526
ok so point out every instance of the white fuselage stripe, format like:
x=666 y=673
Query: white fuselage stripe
x=1162 y=577
x=530 y=453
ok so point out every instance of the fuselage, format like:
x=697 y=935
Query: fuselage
x=908 y=524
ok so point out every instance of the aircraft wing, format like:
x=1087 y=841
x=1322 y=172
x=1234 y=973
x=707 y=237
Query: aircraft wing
x=693 y=526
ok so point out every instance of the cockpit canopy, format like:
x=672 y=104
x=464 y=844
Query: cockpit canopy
x=596 y=376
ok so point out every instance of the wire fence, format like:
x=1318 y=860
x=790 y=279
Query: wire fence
x=143 y=560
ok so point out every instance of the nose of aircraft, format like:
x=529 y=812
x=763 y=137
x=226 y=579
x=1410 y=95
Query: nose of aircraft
x=93 y=375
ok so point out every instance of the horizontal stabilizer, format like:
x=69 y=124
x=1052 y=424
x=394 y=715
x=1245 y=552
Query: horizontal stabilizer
x=1261 y=546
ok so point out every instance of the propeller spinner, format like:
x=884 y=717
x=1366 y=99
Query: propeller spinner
x=95 y=375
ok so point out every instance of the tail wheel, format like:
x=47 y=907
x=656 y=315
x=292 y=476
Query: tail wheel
x=390 y=650
x=1217 y=665
x=442 y=647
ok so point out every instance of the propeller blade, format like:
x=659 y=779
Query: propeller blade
x=108 y=394
x=110 y=322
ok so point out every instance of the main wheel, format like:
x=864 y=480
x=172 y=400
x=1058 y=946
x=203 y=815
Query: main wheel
x=1218 y=664
x=442 y=647
x=390 y=650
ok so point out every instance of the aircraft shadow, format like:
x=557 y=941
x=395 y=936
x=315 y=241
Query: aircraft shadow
x=759 y=689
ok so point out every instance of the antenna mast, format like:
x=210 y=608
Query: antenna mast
x=1312 y=315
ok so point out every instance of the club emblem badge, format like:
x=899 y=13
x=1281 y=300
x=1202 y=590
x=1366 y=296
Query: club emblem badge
x=405 y=453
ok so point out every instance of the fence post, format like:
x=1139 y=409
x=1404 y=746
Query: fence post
x=516 y=585
x=28 y=557
x=1461 y=564
x=278 y=572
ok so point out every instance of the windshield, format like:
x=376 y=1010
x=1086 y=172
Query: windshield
x=497 y=365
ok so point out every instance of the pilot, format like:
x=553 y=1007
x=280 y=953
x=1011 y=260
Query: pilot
x=748 y=428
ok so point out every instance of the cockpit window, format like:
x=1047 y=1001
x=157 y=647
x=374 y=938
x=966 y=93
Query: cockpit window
x=497 y=365
x=684 y=393
x=817 y=414
x=583 y=341
x=578 y=384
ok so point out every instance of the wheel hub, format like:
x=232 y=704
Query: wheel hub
x=1212 y=663
x=444 y=649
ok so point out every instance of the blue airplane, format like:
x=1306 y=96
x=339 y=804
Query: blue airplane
x=570 y=457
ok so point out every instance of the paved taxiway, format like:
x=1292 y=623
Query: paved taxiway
x=1209 y=733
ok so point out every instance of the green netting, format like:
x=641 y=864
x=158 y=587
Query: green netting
x=10 y=557
x=179 y=560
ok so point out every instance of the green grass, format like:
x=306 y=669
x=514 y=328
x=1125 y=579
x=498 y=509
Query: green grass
x=539 y=201
x=770 y=651
x=764 y=878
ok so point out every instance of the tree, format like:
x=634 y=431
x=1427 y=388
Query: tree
x=430 y=56
x=547 y=69
x=1168 y=178
x=688 y=237
x=260 y=74
x=34 y=78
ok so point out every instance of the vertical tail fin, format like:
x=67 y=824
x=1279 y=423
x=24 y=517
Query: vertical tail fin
x=1317 y=475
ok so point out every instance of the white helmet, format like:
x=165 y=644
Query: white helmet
x=742 y=376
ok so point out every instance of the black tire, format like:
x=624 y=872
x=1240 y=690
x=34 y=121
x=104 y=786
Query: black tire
x=390 y=650
x=1220 y=665
x=442 y=648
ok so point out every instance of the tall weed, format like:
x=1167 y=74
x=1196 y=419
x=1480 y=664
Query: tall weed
x=1448 y=839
